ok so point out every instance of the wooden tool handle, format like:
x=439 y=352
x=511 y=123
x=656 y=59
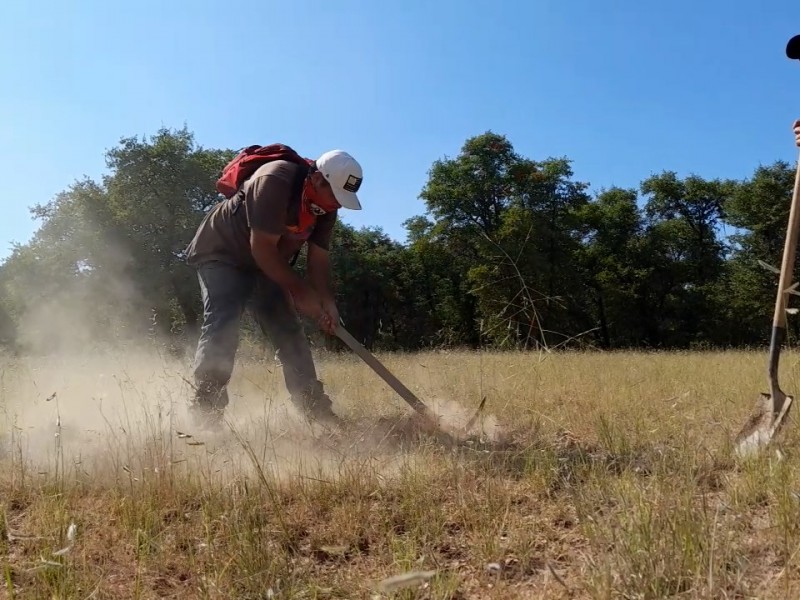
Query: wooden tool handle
x=789 y=252
x=384 y=373
x=784 y=282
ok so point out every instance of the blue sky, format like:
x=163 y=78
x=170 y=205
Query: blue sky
x=624 y=89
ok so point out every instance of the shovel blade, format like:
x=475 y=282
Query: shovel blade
x=764 y=423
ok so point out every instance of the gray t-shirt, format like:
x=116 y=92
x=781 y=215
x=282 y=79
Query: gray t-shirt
x=269 y=201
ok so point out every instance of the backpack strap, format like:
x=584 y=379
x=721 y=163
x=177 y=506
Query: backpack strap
x=297 y=192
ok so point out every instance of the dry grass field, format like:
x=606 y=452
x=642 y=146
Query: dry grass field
x=619 y=483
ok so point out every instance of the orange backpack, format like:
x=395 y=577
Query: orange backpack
x=245 y=163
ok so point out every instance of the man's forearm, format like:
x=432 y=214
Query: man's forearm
x=319 y=271
x=320 y=280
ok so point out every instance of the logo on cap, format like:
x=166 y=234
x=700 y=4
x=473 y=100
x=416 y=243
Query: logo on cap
x=352 y=184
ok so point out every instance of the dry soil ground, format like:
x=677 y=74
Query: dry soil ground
x=620 y=482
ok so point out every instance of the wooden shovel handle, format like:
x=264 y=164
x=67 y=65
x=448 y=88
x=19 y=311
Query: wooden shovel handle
x=384 y=373
x=784 y=282
x=789 y=252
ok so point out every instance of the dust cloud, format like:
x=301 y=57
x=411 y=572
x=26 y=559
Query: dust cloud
x=454 y=417
x=125 y=414
x=98 y=309
x=102 y=414
x=92 y=392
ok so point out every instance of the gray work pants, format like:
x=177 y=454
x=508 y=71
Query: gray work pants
x=226 y=292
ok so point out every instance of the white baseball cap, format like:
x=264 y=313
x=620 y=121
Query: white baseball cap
x=344 y=175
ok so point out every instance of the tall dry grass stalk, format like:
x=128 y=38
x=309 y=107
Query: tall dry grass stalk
x=621 y=483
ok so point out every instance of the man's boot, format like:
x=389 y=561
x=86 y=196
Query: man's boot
x=208 y=406
x=316 y=405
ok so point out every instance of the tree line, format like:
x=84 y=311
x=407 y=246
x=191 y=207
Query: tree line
x=511 y=253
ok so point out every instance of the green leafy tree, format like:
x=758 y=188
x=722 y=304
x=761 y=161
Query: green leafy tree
x=107 y=258
x=158 y=192
x=616 y=266
x=684 y=216
x=511 y=252
x=511 y=228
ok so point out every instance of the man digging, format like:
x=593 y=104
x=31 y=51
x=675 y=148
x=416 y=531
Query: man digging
x=242 y=251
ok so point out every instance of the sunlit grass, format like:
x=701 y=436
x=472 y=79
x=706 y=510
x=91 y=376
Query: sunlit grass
x=620 y=484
